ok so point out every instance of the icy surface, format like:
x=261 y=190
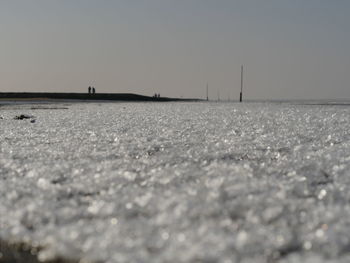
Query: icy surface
x=177 y=182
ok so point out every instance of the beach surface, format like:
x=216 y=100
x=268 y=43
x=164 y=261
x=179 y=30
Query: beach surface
x=174 y=182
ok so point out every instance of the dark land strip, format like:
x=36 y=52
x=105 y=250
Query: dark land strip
x=85 y=96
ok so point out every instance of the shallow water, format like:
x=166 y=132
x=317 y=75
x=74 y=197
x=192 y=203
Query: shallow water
x=177 y=182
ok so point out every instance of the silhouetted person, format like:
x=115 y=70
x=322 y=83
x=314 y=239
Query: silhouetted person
x=89 y=90
x=93 y=90
x=158 y=95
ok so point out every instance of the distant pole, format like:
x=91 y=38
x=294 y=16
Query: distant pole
x=207 y=92
x=241 y=94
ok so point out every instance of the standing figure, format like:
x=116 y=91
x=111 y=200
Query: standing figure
x=89 y=90
x=93 y=90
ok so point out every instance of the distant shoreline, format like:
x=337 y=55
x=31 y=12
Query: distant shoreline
x=85 y=96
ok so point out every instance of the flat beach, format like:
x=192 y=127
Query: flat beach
x=174 y=182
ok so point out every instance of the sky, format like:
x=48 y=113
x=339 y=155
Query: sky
x=290 y=49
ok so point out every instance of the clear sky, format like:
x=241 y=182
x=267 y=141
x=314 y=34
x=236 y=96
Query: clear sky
x=291 y=49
